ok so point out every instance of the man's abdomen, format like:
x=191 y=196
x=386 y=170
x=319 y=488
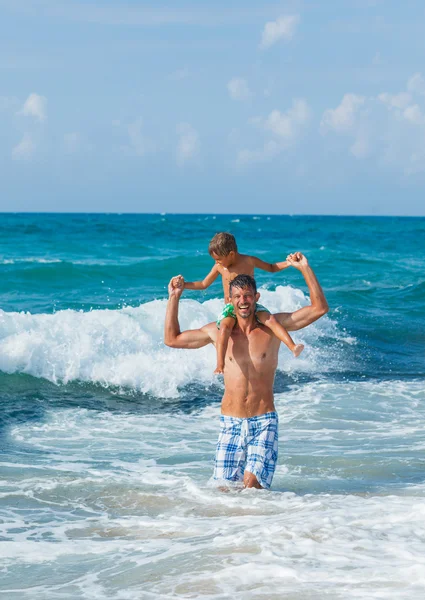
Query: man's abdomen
x=247 y=402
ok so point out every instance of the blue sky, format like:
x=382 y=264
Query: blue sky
x=290 y=107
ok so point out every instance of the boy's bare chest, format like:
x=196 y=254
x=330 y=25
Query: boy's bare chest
x=238 y=269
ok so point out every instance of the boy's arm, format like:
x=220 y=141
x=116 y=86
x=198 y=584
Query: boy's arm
x=319 y=306
x=206 y=282
x=173 y=337
x=257 y=263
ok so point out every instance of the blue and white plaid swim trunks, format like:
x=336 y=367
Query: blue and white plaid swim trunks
x=247 y=445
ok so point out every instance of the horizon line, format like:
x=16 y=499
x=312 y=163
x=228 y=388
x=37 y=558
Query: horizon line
x=214 y=214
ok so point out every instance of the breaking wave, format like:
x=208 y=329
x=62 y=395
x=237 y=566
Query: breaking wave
x=125 y=348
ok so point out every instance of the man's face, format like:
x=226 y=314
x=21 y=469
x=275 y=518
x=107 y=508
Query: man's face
x=244 y=300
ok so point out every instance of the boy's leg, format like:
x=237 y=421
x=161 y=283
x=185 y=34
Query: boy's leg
x=280 y=332
x=226 y=327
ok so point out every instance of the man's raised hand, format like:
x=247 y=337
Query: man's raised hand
x=297 y=260
x=176 y=286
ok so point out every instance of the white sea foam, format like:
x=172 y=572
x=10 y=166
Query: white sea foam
x=119 y=505
x=125 y=347
x=28 y=259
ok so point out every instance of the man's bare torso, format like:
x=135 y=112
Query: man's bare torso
x=251 y=362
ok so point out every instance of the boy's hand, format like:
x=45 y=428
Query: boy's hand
x=177 y=280
x=297 y=260
x=176 y=286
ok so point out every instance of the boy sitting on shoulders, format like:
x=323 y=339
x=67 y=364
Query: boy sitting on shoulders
x=229 y=263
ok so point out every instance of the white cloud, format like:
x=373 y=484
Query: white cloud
x=389 y=127
x=238 y=89
x=35 y=106
x=401 y=103
x=416 y=84
x=285 y=125
x=414 y=115
x=25 y=149
x=188 y=145
x=342 y=118
x=348 y=119
x=400 y=100
x=281 y=29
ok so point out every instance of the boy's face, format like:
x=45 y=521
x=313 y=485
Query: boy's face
x=224 y=261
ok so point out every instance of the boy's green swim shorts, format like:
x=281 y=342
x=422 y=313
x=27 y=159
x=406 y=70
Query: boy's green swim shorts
x=229 y=311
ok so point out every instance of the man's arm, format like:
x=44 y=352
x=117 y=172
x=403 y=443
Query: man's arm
x=173 y=337
x=206 y=282
x=308 y=314
x=257 y=263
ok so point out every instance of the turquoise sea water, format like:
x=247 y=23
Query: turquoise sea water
x=107 y=436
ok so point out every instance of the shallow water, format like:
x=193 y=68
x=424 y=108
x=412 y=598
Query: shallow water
x=108 y=437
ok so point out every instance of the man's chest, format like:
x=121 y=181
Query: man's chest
x=258 y=348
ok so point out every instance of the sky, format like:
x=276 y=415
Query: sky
x=294 y=107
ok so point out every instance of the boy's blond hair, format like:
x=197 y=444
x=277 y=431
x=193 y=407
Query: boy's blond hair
x=222 y=244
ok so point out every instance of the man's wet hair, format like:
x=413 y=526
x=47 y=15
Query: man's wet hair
x=222 y=244
x=243 y=281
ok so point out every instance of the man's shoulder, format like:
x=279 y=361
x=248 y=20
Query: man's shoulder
x=267 y=334
x=211 y=330
x=209 y=326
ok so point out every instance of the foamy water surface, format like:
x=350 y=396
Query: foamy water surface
x=107 y=436
x=125 y=348
x=104 y=505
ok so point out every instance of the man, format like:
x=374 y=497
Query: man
x=247 y=446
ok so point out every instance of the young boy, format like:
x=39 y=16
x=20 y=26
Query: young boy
x=229 y=263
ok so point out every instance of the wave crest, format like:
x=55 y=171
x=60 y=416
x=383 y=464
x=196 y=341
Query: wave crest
x=124 y=348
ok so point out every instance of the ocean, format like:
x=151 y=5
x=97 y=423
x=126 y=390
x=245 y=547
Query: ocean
x=108 y=437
